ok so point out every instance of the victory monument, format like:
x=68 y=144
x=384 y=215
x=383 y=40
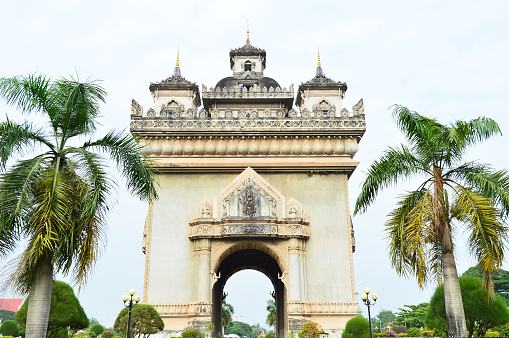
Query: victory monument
x=251 y=177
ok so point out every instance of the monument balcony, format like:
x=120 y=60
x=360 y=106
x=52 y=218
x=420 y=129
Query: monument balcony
x=175 y=121
x=245 y=92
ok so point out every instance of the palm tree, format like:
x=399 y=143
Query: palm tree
x=56 y=200
x=271 y=315
x=421 y=228
x=226 y=314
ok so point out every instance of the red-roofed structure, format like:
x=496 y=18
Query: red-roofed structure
x=11 y=304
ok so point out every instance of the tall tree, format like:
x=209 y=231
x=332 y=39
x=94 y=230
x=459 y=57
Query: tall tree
x=386 y=317
x=227 y=314
x=421 y=228
x=500 y=281
x=411 y=315
x=481 y=314
x=6 y=315
x=240 y=328
x=65 y=311
x=56 y=198
x=271 y=313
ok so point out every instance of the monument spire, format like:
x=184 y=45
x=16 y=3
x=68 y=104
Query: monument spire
x=319 y=71
x=248 y=43
x=177 y=68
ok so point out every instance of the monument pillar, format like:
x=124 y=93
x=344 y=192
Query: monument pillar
x=202 y=252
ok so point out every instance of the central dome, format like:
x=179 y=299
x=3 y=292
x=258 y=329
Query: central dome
x=231 y=81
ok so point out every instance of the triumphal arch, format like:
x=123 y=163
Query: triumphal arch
x=251 y=177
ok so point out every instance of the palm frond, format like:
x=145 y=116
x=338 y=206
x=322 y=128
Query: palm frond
x=487 y=233
x=28 y=93
x=79 y=107
x=418 y=129
x=17 y=199
x=18 y=139
x=435 y=263
x=80 y=247
x=473 y=131
x=407 y=233
x=487 y=182
x=133 y=165
x=393 y=166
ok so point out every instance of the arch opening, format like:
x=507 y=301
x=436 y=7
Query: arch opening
x=256 y=260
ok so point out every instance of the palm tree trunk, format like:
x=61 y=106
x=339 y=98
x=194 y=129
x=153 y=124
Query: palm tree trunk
x=454 y=312
x=39 y=303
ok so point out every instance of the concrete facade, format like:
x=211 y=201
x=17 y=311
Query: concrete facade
x=252 y=183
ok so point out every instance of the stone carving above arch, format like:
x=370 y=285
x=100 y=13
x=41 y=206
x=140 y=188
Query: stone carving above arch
x=293 y=208
x=249 y=196
x=249 y=207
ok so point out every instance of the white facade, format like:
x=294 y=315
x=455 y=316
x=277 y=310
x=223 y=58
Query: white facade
x=248 y=181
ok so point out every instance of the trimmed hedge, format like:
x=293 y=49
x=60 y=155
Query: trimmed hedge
x=9 y=328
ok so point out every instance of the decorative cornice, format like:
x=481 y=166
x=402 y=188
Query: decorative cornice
x=249 y=230
x=200 y=125
x=252 y=146
x=174 y=81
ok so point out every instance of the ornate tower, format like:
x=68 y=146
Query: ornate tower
x=248 y=181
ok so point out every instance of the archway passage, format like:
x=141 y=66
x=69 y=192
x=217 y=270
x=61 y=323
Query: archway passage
x=256 y=260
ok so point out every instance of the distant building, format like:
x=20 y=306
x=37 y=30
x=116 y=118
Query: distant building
x=11 y=304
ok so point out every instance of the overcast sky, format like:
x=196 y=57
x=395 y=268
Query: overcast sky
x=445 y=59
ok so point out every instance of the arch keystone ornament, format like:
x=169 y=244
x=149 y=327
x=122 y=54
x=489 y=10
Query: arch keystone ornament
x=251 y=176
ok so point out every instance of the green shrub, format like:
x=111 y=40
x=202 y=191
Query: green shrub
x=357 y=327
x=311 y=330
x=413 y=332
x=91 y=334
x=97 y=329
x=428 y=333
x=490 y=333
x=9 y=328
x=7 y=337
x=399 y=329
x=193 y=334
x=107 y=334
x=383 y=334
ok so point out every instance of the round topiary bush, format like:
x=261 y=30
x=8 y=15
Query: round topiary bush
x=9 y=328
x=193 y=334
x=107 y=334
x=413 y=332
x=357 y=327
x=97 y=329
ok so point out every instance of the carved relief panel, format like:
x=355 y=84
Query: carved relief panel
x=249 y=207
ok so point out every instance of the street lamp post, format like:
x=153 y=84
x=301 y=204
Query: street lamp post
x=369 y=303
x=128 y=302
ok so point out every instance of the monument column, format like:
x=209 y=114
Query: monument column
x=202 y=250
x=294 y=262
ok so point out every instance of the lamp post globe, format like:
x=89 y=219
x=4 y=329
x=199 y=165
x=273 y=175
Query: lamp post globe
x=130 y=302
x=369 y=303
